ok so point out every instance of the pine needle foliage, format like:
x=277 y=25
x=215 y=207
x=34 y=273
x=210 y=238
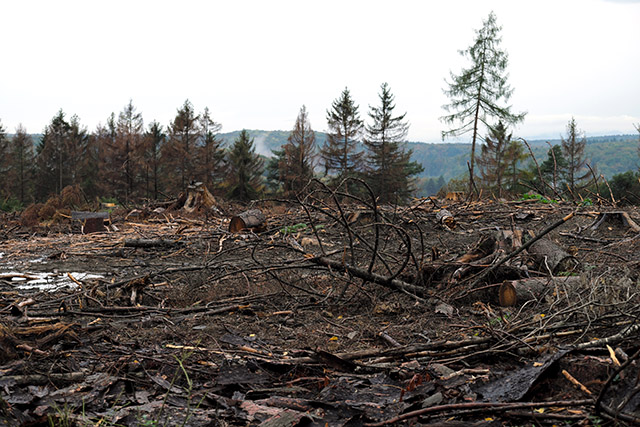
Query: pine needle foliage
x=480 y=92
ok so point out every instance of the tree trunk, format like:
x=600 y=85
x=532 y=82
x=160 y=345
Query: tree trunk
x=252 y=219
x=549 y=256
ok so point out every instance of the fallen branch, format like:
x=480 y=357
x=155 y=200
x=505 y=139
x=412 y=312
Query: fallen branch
x=485 y=406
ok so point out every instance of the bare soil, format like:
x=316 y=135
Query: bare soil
x=329 y=314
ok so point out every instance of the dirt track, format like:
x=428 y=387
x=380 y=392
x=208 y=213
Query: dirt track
x=199 y=326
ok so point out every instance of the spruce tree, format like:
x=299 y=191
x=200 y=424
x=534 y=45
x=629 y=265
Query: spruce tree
x=211 y=156
x=129 y=148
x=5 y=160
x=272 y=171
x=553 y=170
x=477 y=93
x=179 y=150
x=573 y=149
x=51 y=160
x=340 y=153
x=296 y=165
x=492 y=160
x=154 y=140
x=108 y=158
x=515 y=155
x=389 y=165
x=81 y=164
x=21 y=168
x=245 y=169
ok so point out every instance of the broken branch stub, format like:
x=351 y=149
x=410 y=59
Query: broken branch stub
x=252 y=219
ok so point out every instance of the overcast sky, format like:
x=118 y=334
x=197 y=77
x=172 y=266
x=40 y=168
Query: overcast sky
x=255 y=63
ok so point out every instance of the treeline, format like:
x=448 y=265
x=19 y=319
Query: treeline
x=125 y=161
x=508 y=166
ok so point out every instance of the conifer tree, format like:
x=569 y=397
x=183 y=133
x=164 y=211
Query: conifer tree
x=389 y=165
x=553 y=170
x=108 y=158
x=154 y=140
x=492 y=160
x=211 y=155
x=79 y=161
x=179 y=149
x=573 y=149
x=245 y=169
x=273 y=170
x=129 y=144
x=515 y=155
x=5 y=159
x=52 y=174
x=21 y=168
x=476 y=94
x=297 y=164
x=340 y=152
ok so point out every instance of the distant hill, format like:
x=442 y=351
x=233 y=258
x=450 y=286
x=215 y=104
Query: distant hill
x=611 y=155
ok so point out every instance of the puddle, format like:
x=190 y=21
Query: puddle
x=45 y=281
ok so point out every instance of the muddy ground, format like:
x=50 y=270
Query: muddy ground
x=328 y=314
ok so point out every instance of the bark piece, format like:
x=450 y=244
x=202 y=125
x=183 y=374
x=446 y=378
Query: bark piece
x=514 y=292
x=252 y=219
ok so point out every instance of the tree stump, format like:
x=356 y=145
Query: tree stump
x=198 y=196
x=445 y=218
x=252 y=219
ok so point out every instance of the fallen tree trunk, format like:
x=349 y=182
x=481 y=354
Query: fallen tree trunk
x=514 y=292
x=252 y=219
x=547 y=254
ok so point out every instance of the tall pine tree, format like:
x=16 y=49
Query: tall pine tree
x=389 y=165
x=129 y=144
x=515 y=155
x=477 y=93
x=21 y=168
x=154 y=140
x=340 y=153
x=51 y=160
x=5 y=160
x=492 y=160
x=298 y=160
x=210 y=159
x=179 y=149
x=573 y=149
x=245 y=169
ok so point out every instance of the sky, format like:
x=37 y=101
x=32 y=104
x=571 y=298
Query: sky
x=255 y=63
